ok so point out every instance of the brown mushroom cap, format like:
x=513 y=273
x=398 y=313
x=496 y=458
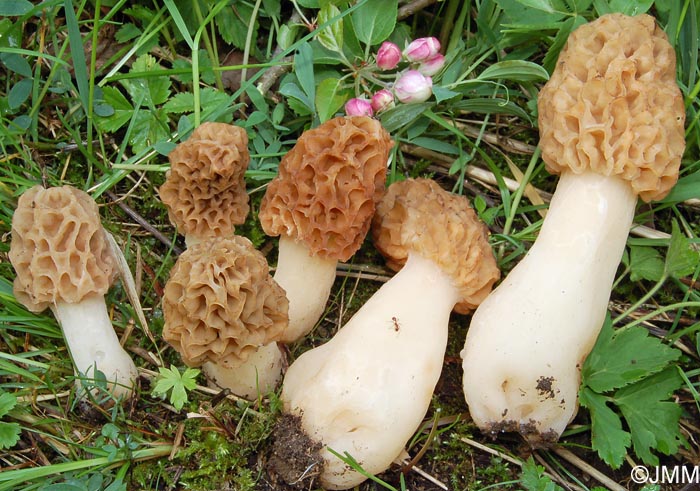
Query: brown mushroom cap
x=418 y=215
x=327 y=187
x=205 y=189
x=59 y=249
x=220 y=303
x=613 y=106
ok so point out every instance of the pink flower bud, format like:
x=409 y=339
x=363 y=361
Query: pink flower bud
x=413 y=86
x=432 y=65
x=382 y=100
x=358 y=107
x=422 y=49
x=388 y=56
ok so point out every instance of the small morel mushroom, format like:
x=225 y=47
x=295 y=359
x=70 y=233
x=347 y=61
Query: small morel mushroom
x=611 y=123
x=63 y=261
x=205 y=188
x=366 y=391
x=321 y=205
x=224 y=312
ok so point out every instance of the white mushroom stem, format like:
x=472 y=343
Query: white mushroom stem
x=366 y=391
x=258 y=376
x=527 y=341
x=307 y=280
x=93 y=344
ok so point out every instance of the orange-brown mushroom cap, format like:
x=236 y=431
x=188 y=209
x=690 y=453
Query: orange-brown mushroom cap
x=59 y=248
x=327 y=187
x=205 y=189
x=613 y=106
x=417 y=215
x=221 y=304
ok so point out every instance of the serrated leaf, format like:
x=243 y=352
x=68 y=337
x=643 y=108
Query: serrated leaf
x=232 y=24
x=126 y=33
x=653 y=420
x=681 y=258
x=182 y=102
x=623 y=357
x=330 y=37
x=148 y=128
x=533 y=478
x=153 y=90
x=607 y=436
x=645 y=263
x=375 y=21
x=514 y=70
x=7 y=403
x=330 y=97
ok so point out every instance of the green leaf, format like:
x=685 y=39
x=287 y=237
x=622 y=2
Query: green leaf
x=436 y=145
x=182 y=102
x=630 y=8
x=147 y=129
x=304 y=70
x=687 y=187
x=488 y=105
x=375 y=21
x=681 y=258
x=514 y=70
x=9 y=432
x=544 y=5
x=330 y=97
x=403 y=115
x=623 y=357
x=443 y=94
x=645 y=263
x=296 y=98
x=155 y=89
x=16 y=63
x=177 y=383
x=232 y=24
x=126 y=33
x=652 y=419
x=19 y=93
x=15 y=7
x=330 y=37
x=607 y=436
x=123 y=110
x=533 y=478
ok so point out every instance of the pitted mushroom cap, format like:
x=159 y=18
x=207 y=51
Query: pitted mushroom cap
x=327 y=187
x=613 y=106
x=417 y=215
x=205 y=189
x=221 y=304
x=59 y=249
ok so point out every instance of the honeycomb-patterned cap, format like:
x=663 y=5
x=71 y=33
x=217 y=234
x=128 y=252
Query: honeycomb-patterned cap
x=59 y=249
x=221 y=304
x=613 y=106
x=327 y=187
x=417 y=215
x=205 y=189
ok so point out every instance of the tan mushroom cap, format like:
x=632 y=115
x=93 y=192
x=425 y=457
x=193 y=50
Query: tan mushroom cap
x=613 y=106
x=221 y=304
x=59 y=248
x=205 y=189
x=327 y=187
x=418 y=215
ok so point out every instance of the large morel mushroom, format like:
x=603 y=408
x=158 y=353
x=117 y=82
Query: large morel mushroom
x=63 y=261
x=611 y=124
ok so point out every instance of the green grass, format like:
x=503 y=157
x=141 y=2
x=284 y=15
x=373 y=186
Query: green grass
x=104 y=120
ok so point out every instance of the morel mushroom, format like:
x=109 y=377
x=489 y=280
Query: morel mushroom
x=321 y=205
x=366 y=391
x=63 y=261
x=205 y=189
x=224 y=312
x=611 y=123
